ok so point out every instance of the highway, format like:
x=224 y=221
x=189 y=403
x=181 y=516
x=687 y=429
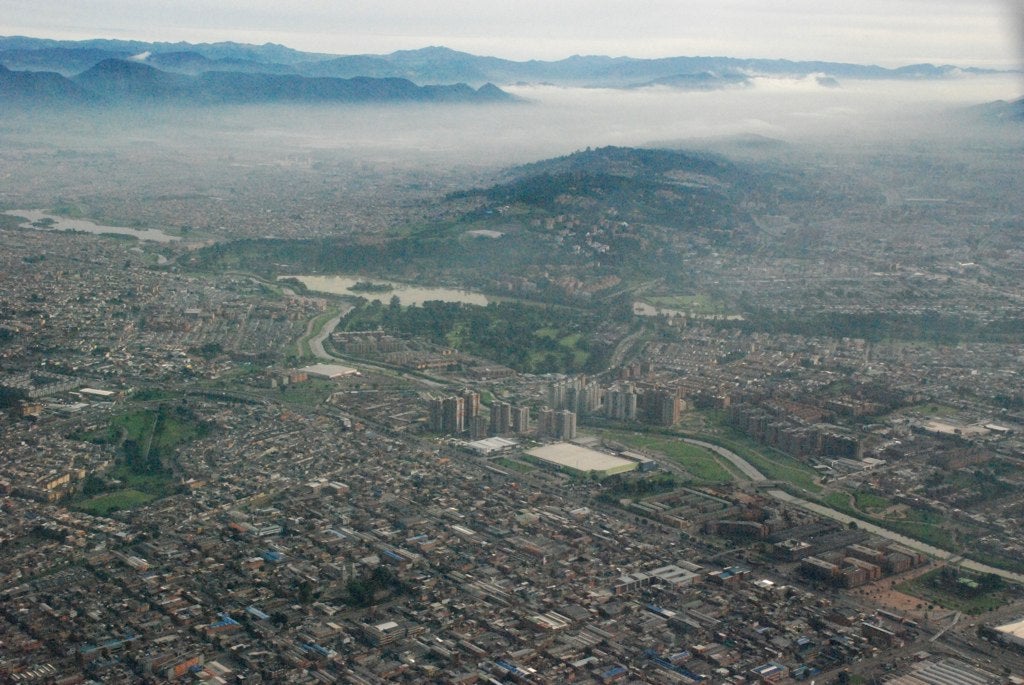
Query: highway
x=736 y=460
x=316 y=347
x=748 y=470
x=316 y=343
x=756 y=476
x=896 y=537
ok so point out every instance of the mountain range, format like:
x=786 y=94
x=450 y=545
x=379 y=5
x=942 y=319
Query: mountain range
x=436 y=65
x=119 y=81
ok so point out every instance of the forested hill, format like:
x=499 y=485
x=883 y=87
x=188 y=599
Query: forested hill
x=695 y=193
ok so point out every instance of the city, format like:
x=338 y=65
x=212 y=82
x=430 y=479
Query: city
x=435 y=366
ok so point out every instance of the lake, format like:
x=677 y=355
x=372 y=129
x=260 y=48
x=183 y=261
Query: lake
x=60 y=223
x=407 y=294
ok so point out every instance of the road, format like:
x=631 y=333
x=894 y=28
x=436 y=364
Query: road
x=316 y=347
x=896 y=537
x=745 y=467
x=754 y=475
x=316 y=343
x=624 y=347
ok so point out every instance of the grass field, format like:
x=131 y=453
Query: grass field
x=701 y=463
x=134 y=426
x=866 y=502
x=840 y=501
x=310 y=393
x=514 y=465
x=569 y=343
x=119 y=500
x=937 y=410
x=920 y=524
x=697 y=305
x=773 y=464
x=924 y=587
x=870 y=502
x=147 y=440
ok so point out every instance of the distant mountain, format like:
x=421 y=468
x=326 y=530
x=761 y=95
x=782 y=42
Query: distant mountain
x=1000 y=111
x=440 y=65
x=65 y=61
x=704 y=80
x=268 y=53
x=28 y=88
x=115 y=81
x=193 y=63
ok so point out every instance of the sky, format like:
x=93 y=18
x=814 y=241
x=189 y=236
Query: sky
x=979 y=33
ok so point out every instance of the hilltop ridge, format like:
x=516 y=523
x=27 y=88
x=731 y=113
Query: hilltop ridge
x=438 y=65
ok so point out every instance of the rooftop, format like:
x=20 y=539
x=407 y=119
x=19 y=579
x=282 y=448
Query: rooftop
x=580 y=458
x=329 y=371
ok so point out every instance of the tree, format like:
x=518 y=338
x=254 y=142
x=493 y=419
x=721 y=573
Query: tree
x=305 y=592
x=93 y=485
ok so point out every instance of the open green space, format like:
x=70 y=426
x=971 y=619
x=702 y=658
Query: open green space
x=943 y=586
x=927 y=526
x=514 y=465
x=773 y=464
x=936 y=410
x=838 y=500
x=528 y=338
x=309 y=393
x=698 y=461
x=119 y=500
x=871 y=502
x=147 y=440
x=698 y=305
x=921 y=524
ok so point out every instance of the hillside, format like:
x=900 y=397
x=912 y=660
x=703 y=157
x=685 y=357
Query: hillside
x=570 y=227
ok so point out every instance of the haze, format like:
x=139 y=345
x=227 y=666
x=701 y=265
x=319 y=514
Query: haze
x=870 y=32
x=364 y=158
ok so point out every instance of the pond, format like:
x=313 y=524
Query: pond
x=408 y=295
x=42 y=221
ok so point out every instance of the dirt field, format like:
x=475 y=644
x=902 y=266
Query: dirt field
x=882 y=594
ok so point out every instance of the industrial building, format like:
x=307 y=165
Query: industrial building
x=581 y=460
x=329 y=371
x=1012 y=633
